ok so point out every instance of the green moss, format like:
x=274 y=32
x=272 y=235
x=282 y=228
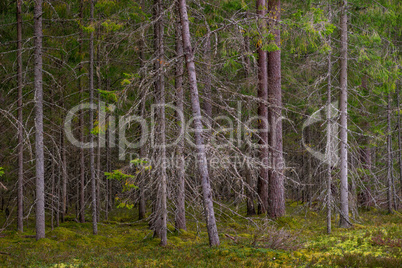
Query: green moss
x=62 y=234
x=371 y=243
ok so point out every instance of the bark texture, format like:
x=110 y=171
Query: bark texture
x=389 y=158
x=181 y=187
x=343 y=109
x=329 y=133
x=262 y=182
x=276 y=188
x=82 y=154
x=161 y=209
x=20 y=195
x=195 y=103
x=91 y=126
x=38 y=85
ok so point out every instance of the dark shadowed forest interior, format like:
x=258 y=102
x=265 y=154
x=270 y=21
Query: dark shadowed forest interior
x=200 y=133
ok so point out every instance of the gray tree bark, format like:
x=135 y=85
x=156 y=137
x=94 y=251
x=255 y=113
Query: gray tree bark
x=181 y=188
x=399 y=136
x=262 y=182
x=91 y=126
x=329 y=131
x=276 y=188
x=195 y=103
x=64 y=176
x=82 y=154
x=40 y=158
x=20 y=195
x=99 y=175
x=247 y=171
x=161 y=209
x=389 y=157
x=142 y=200
x=343 y=107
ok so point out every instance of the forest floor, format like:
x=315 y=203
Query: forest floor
x=296 y=240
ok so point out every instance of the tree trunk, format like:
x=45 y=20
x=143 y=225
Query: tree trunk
x=82 y=154
x=195 y=103
x=101 y=123
x=247 y=171
x=107 y=199
x=309 y=170
x=262 y=183
x=161 y=209
x=249 y=190
x=40 y=168
x=389 y=157
x=64 y=175
x=399 y=136
x=181 y=187
x=91 y=126
x=276 y=188
x=142 y=201
x=343 y=107
x=53 y=182
x=20 y=196
x=329 y=131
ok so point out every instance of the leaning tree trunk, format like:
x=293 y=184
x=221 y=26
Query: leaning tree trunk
x=262 y=182
x=161 y=208
x=40 y=158
x=181 y=188
x=343 y=108
x=195 y=103
x=276 y=188
x=20 y=194
x=91 y=126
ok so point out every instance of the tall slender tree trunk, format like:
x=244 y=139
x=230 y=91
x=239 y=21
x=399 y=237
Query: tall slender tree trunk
x=82 y=154
x=195 y=103
x=53 y=186
x=276 y=188
x=249 y=190
x=101 y=122
x=389 y=157
x=91 y=126
x=181 y=187
x=247 y=171
x=262 y=182
x=64 y=176
x=329 y=148
x=343 y=107
x=161 y=210
x=142 y=199
x=399 y=136
x=309 y=170
x=58 y=192
x=107 y=200
x=40 y=158
x=20 y=212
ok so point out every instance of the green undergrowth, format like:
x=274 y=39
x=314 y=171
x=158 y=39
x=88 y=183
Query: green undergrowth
x=296 y=240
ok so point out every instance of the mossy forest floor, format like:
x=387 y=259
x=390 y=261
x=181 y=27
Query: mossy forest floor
x=297 y=240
